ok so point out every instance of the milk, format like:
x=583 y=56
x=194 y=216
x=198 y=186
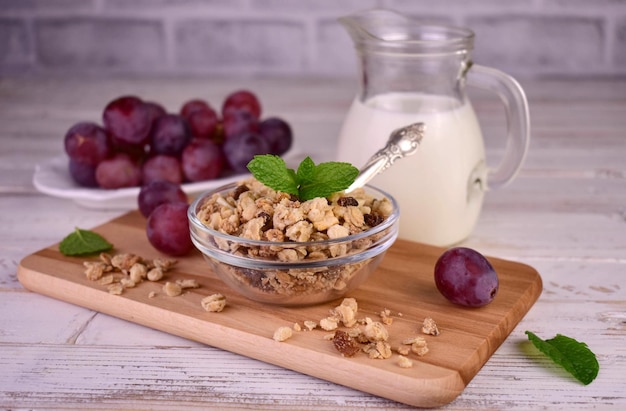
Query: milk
x=435 y=187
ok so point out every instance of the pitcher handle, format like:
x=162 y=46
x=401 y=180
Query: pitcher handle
x=518 y=120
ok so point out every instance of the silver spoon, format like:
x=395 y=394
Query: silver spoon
x=402 y=142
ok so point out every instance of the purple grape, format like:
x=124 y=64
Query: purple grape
x=465 y=277
x=201 y=117
x=129 y=121
x=87 y=143
x=191 y=106
x=169 y=135
x=203 y=124
x=240 y=149
x=242 y=100
x=162 y=167
x=235 y=123
x=167 y=229
x=278 y=133
x=202 y=160
x=84 y=174
x=118 y=171
x=155 y=110
x=160 y=192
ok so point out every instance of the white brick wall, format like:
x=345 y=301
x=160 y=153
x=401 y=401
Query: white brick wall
x=527 y=38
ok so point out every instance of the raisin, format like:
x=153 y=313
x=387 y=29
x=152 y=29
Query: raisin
x=373 y=219
x=256 y=279
x=347 y=201
x=269 y=223
x=239 y=191
x=345 y=344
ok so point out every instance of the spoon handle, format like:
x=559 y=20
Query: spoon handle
x=402 y=142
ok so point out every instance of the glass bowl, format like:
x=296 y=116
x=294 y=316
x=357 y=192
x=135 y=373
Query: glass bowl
x=327 y=269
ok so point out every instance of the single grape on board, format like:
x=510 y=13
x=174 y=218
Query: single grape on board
x=465 y=277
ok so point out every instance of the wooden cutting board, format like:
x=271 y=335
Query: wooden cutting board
x=403 y=284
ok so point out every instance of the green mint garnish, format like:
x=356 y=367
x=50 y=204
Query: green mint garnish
x=575 y=357
x=82 y=242
x=308 y=182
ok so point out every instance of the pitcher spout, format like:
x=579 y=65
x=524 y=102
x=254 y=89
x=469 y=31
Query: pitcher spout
x=375 y=25
x=387 y=30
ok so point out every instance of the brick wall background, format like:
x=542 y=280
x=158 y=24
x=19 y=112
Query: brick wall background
x=527 y=38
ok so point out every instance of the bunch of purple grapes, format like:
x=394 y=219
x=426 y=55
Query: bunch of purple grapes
x=140 y=142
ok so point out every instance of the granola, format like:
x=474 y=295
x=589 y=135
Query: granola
x=430 y=327
x=214 y=303
x=373 y=338
x=282 y=334
x=253 y=211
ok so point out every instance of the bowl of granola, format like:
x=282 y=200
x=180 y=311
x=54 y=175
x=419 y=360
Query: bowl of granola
x=273 y=248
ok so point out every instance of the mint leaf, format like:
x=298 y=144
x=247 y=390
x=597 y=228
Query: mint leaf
x=308 y=182
x=328 y=178
x=82 y=242
x=306 y=171
x=272 y=171
x=575 y=357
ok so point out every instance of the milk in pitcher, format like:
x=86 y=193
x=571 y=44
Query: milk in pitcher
x=435 y=187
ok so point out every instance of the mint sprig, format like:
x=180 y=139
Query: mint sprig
x=308 y=182
x=83 y=242
x=575 y=357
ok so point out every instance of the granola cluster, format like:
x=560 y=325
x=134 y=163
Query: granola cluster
x=253 y=211
x=364 y=334
x=126 y=270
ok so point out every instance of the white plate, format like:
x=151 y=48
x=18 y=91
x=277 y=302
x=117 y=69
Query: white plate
x=53 y=178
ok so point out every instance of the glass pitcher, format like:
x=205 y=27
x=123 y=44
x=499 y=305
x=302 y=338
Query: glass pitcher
x=412 y=73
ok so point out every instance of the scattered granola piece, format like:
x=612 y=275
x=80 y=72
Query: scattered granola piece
x=138 y=272
x=95 y=270
x=403 y=350
x=329 y=323
x=329 y=337
x=172 y=289
x=187 y=283
x=116 y=289
x=378 y=350
x=106 y=279
x=430 y=327
x=164 y=263
x=155 y=274
x=297 y=327
x=418 y=345
x=412 y=340
x=385 y=317
x=404 y=362
x=346 y=312
x=125 y=261
x=310 y=325
x=105 y=258
x=421 y=351
x=346 y=346
x=282 y=334
x=375 y=331
x=127 y=283
x=214 y=303
x=357 y=334
x=151 y=294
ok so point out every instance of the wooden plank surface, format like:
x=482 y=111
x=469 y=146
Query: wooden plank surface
x=403 y=283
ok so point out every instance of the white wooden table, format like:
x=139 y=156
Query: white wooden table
x=565 y=215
